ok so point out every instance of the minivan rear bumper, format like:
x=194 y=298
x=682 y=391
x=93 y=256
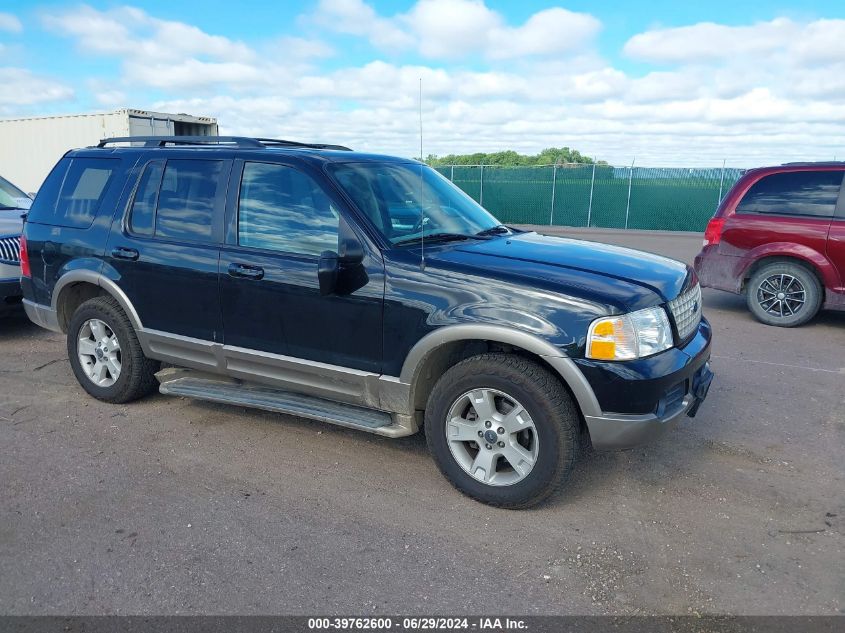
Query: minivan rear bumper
x=642 y=399
x=716 y=270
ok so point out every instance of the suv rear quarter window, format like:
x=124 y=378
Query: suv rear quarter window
x=74 y=191
x=800 y=193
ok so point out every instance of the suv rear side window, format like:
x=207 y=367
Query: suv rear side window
x=176 y=199
x=283 y=209
x=73 y=192
x=805 y=193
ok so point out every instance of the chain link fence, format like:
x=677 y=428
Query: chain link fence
x=673 y=199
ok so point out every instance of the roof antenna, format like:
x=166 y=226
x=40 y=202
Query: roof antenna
x=422 y=206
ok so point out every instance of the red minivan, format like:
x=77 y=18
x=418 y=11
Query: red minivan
x=779 y=238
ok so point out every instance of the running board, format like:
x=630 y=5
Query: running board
x=200 y=386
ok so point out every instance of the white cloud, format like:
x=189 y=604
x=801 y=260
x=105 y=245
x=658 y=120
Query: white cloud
x=819 y=41
x=356 y=17
x=22 y=88
x=549 y=32
x=10 y=23
x=449 y=29
x=131 y=32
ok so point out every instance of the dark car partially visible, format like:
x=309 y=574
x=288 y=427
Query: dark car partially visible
x=13 y=203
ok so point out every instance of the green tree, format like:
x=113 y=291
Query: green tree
x=510 y=158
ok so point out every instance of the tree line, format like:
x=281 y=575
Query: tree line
x=510 y=158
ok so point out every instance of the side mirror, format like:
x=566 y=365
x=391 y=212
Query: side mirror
x=351 y=252
x=327 y=268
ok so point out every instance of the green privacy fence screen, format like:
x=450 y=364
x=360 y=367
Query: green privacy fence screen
x=674 y=199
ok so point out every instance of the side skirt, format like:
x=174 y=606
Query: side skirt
x=331 y=383
x=193 y=384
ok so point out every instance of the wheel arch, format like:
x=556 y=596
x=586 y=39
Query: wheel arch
x=810 y=259
x=808 y=264
x=77 y=286
x=443 y=348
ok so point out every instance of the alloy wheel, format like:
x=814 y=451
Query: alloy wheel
x=492 y=437
x=781 y=295
x=99 y=352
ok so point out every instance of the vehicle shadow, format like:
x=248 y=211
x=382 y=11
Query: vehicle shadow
x=16 y=324
x=735 y=304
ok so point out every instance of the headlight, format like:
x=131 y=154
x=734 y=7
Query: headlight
x=628 y=336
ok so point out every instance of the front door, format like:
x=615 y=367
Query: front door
x=280 y=219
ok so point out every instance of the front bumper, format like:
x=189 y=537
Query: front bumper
x=10 y=295
x=641 y=399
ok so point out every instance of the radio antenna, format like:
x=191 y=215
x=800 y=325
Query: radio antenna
x=422 y=205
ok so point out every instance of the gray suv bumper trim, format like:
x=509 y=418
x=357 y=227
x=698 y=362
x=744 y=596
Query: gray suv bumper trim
x=617 y=431
x=42 y=315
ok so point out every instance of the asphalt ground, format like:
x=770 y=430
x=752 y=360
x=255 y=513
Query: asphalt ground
x=172 y=506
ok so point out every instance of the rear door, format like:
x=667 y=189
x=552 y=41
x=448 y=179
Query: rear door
x=836 y=249
x=166 y=248
x=280 y=219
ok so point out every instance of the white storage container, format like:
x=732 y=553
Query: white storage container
x=30 y=147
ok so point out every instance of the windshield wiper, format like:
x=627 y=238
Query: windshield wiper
x=3 y=207
x=436 y=237
x=499 y=229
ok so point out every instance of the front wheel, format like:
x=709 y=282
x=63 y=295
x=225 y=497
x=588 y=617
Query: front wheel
x=784 y=294
x=502 y=429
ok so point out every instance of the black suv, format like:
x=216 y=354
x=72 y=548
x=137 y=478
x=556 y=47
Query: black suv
x=362 y=290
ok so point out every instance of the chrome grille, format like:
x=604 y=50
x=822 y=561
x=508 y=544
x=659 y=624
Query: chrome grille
x=10 y=249
x=686 y=311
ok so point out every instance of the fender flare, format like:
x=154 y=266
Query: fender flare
x=97 y=279
x=562 y=364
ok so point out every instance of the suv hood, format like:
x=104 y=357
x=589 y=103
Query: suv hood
x=609 y=274
x=11 y=222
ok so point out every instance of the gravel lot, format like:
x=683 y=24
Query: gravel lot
x=173 y=506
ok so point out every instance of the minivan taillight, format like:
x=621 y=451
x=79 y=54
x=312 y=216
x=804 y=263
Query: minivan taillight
x=713 y=232
x=25 y=269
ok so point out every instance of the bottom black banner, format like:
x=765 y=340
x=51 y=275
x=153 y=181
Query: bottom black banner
x=378 y=624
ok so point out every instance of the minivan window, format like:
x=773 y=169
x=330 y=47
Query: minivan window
x=805 y=193
x=72 y=194
x=284 y=209
x=186 y=198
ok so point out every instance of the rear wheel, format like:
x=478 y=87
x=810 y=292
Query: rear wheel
x=784 y=294
x=105 y=354
x=502 y=429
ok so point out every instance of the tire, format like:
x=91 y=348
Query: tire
x=550 y=435
x=99 y=322
x=783 y=294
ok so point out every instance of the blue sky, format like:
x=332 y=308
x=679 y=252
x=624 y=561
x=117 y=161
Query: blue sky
x=670 y=83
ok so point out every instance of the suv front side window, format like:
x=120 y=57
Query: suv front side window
x=283 y=209
x=803 y=193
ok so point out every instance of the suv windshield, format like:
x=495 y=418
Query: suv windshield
x=11 y=197
x=410 y=201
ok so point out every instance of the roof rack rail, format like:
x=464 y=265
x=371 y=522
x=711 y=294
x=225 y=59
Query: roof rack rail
x=236 y=141
x=816 y=162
